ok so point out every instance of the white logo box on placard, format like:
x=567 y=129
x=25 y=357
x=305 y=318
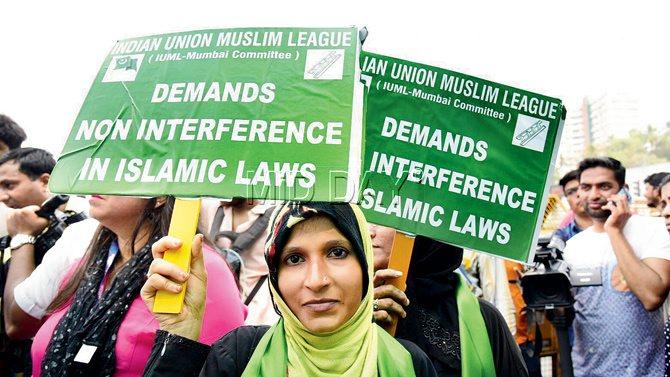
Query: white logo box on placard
x=530 y=133
x=324 y=65
x=123 y=68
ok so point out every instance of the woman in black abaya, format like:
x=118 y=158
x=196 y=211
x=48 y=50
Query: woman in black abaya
x=438 y=299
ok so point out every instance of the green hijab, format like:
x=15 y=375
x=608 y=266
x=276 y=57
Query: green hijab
x=476 y=353
x=358 y=347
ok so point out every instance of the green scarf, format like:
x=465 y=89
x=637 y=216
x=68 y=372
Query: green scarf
x=476 y=354
x=271 y=358
x=357 y=348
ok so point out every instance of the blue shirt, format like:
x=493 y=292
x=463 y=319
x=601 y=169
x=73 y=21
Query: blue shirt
x=568 y=231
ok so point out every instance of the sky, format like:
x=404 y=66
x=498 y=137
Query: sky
x=51 y=51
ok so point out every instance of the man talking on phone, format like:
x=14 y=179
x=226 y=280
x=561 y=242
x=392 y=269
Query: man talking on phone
x=618 y=327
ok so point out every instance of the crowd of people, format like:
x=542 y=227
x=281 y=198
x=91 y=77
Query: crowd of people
x=304 y=288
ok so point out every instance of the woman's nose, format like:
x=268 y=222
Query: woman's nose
x=317 y=276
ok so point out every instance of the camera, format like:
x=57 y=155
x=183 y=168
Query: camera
x=547 y=284
x=54 y=231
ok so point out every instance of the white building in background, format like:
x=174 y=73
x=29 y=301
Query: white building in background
x=594 y=121
x=575 y=138
x=613 y=115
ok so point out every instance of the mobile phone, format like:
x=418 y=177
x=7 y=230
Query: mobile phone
x=624 y=192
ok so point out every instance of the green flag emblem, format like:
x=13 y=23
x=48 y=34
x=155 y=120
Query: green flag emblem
x=127 y=63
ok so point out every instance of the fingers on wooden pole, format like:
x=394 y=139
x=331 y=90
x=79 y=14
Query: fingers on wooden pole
x=183 y=225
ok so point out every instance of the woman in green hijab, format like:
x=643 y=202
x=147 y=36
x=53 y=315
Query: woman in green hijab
x=320 y=261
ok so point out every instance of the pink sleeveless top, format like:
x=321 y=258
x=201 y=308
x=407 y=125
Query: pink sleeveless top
x=224 y=312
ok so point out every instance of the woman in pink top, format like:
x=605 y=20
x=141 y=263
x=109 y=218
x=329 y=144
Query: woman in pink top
x=99 y=325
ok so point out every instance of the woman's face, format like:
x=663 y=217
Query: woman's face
x=320 y=278
x=114 y=211
x=382 y=243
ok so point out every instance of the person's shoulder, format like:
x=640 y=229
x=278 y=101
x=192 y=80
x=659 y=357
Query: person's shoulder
x=643 y=231
x=648 y=236
x=77 y=236
x=493 y=319
x=422 y=364
x=576 y=244
x=222 y=292
x=82 y=229
x=584 y=236
x=243 y=335
x=209 y=252
x=87 y=223
x=486 y=306
x=240 y=339
x=217 y=267
x=213 y=260
x=71 y=245
x=563 y=233
x=645 y=224
x=412 y=348
x=490 y=313
x=261 y=208
x=236 y=347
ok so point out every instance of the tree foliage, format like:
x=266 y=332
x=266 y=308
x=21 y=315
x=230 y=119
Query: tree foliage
x=641 y=147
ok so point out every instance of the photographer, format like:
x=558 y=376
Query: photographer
x=24 y=176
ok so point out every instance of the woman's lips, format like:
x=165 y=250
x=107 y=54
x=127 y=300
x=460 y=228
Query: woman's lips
x=95 y=198
x=320 y=306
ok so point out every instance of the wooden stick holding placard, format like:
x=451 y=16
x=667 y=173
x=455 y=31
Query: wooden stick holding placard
x=401 y=254
x=183 y=225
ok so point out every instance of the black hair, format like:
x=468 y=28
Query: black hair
x=153 y=220
x=605 y=162
x=11 y=133
x=570 y=176
x=656 y=179
x=664 y=181
x=33 y=162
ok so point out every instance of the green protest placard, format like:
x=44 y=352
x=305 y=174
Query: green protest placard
x=456 y=158
x=253 y=112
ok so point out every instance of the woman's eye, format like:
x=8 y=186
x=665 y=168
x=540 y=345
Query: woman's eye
x=293 y=259
x=338 y=252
